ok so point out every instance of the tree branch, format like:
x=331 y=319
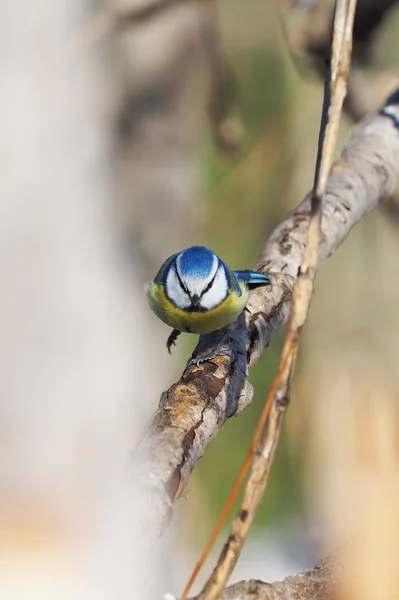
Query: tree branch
x=192 y=411
x=316 y=584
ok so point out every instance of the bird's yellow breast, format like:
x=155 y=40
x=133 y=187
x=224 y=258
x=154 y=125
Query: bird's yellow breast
x=196 y=322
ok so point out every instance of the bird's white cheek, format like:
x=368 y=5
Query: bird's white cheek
x=175 y=292
x=179 y=298
x=217 y=293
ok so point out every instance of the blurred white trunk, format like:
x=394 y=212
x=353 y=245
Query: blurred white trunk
x=70 y=343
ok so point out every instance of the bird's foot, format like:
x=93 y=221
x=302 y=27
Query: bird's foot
x=218 y=351
x=172 y=339
x=201 y=359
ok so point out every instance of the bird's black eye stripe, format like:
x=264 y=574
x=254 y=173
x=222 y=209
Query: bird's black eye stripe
x=208 y=287
x=183 y=287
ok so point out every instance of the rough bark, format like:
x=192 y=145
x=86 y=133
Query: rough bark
x=315 y=584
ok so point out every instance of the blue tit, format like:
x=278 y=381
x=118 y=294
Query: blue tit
x=195 y=292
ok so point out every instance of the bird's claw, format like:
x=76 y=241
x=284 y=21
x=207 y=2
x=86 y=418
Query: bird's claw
x=197 y=361
x=172 y=339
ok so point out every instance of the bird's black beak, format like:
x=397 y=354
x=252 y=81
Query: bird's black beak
x=195 y=300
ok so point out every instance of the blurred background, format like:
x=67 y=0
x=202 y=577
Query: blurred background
x=275 y=54
x=203 y=121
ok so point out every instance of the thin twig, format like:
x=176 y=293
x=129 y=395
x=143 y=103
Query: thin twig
x=277 y=400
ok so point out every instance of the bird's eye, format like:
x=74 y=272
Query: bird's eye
x=208 y=287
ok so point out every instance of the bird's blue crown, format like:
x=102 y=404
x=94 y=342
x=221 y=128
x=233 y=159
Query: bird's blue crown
x=196 y=262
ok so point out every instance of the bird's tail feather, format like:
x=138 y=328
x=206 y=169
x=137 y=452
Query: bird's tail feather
x=252 y=278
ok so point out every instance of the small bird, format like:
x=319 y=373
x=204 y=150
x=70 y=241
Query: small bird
x=194 y=291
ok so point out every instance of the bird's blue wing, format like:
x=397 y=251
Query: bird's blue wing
x=252 y=278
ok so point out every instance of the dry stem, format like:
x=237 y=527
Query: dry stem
x=278 y=396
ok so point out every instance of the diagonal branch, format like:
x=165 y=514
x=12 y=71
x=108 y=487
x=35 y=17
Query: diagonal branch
x=193 y=409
